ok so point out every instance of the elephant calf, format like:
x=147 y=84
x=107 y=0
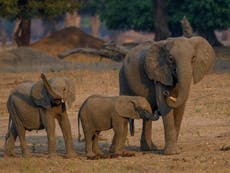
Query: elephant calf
x=100 y=113
x=34 y=106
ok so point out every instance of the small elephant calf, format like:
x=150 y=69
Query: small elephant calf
x=100 y=113
x=35 y=106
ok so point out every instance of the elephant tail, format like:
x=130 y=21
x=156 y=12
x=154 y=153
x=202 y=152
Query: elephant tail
x=78 y=126
x=79 y=118
x=131 y=126
x=9 y=126
x=79 y=122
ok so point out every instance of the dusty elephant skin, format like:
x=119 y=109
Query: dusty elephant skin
x=172 y=63
x=34 y=106
x=99 y=113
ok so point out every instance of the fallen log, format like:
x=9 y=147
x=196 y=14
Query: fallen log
x=109 y=50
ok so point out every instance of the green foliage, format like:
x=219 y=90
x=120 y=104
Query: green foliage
x=8 y=8
x=28 y=9
x=92 y=7
x=205 y=15
x=123 y=14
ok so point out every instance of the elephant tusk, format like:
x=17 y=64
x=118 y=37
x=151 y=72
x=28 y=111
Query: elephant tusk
x=62 y=100
x=172 y=98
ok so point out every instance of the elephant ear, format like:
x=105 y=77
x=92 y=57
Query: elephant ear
x=203 y=60
x=39 y=95
x=156 y=66
x=70 y=92
x=124 y=106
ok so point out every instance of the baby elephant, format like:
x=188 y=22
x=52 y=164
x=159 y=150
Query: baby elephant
x=100 y=113
x=35 y=106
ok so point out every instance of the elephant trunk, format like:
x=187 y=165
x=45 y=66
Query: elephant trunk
x=184 y=74
x=145 y=114
x=49 y=88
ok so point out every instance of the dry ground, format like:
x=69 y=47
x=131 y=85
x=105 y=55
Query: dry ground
x=205 y=130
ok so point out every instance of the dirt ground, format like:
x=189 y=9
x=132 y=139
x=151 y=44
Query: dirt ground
x=204 y=141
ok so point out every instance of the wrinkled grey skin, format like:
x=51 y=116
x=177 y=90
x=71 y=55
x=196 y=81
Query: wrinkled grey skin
x=35 y=106
x=99 y=113
x=160 y=70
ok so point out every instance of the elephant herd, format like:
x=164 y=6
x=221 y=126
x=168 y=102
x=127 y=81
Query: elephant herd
x=154 y=82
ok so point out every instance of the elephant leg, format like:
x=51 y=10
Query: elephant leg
x=67 y=134
x=116 y=146
x=170 y=134
x=178 y=115
x=96 y=148
x=11 y=137
x=89 y=144
x=118 y=140
x=18 y=127
x=146 y=141
x=124 y=137
x=21 y=133
x=49 y=123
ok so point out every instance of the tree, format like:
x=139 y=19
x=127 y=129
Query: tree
x=3 y=34
x=205 y=16
x=25 y=10
x=91 y=8
x=160 y=15
x=135 y=14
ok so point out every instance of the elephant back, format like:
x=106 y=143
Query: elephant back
x=23 y=89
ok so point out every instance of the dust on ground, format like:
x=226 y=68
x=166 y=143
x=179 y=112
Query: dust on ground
x=203 y=141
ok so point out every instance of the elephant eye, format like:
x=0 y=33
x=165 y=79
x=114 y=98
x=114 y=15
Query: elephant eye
x=170 y=59
x=144 y=111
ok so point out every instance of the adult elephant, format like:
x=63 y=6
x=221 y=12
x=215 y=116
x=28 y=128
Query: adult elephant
x=162 y=72
x=34 y=106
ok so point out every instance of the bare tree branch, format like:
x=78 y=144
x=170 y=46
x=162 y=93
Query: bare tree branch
x=109 y=50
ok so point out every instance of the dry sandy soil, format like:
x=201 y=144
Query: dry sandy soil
x=203 y=142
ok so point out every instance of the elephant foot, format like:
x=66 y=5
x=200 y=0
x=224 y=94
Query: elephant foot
x=70 y=155
x=147 y=147
x=26 y=155
x=93 y=157
x=9 y=153
x=171 y=150
x=98 y=156
x=122 y=154
x=52 y=155
x=127 y=154
x=114 y=155
x=98 y=152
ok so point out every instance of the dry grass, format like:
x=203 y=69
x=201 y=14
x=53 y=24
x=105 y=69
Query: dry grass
x=79 y=58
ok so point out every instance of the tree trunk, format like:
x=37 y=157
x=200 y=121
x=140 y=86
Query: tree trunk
x=16 y=25
x=22 y=34
x=210 y=36
x=160 y=20
x=95 y=24
x=3 y=32
x=72 y=19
